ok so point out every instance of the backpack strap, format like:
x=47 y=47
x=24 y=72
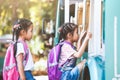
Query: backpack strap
x=60 y=51
x=26 y=52
x=61 y=44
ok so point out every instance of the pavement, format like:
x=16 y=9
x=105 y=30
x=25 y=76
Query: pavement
x=41 y=77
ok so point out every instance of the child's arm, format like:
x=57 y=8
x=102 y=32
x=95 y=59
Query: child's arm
x=79 y=43
x=20 y=66
x=83 y=46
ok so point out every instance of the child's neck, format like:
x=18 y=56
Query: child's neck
x=21 y=39
x=69 y=41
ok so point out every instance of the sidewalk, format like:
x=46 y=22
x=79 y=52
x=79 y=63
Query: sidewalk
x=41 y=77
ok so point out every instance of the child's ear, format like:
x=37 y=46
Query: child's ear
x=22 y=31
x=69 y=35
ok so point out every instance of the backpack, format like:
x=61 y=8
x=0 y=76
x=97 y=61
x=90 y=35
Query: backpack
x=10 y=70
x=52 y=64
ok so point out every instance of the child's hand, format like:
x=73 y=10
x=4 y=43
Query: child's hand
x=89 y=35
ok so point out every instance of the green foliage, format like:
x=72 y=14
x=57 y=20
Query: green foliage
x=35 y=10
x=38 y=47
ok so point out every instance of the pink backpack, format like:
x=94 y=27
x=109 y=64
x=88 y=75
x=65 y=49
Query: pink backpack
x=10 y=71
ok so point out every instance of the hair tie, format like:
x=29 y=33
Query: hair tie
x=60 y=29
x=16 y=26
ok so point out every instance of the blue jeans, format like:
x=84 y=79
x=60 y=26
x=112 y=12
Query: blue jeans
x=72 y=74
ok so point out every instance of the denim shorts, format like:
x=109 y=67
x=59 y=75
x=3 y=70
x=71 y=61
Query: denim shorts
x=28 y=75
x=72 y=74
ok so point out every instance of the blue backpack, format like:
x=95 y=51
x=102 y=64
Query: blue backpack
x=52 y=64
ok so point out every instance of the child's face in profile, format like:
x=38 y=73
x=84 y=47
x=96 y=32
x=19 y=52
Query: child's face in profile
x=29 y=33
x=75 y=35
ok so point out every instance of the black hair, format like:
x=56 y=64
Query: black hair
x=21 y=24
x=67 y=28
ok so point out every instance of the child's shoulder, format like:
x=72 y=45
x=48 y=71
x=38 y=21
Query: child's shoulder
x=66 y=46
x=20 y=44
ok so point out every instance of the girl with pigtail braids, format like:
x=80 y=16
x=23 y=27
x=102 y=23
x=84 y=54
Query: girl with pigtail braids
x=22 y=32
x=69 y=54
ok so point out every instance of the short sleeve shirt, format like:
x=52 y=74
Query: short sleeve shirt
x=66 y=52
x=20 y=49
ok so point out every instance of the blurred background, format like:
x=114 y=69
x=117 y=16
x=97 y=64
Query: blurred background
x=42 y=14
x=100 y=17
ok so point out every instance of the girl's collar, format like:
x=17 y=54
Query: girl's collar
x=21 y=40
x=67 y=42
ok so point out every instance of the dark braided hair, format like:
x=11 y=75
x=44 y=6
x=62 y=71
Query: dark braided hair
x=67 y=28
x=21 y=24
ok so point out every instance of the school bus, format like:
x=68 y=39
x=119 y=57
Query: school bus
x=102 y=19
